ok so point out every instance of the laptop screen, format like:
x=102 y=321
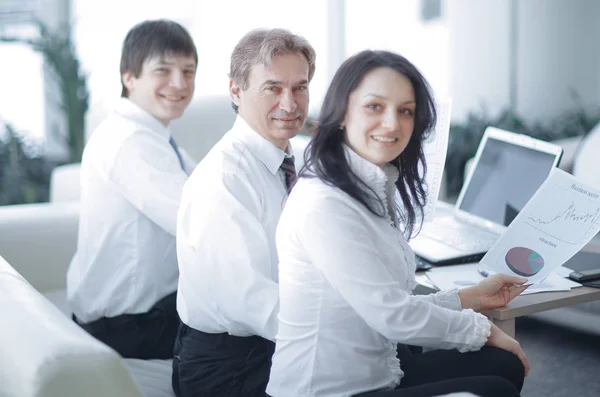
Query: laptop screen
x=505 y=178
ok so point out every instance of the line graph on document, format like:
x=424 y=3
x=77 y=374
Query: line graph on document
x=566 y=216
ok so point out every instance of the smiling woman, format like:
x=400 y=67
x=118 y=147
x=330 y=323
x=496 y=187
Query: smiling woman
x=380 y=118
x=346 y=271
x=376 y=97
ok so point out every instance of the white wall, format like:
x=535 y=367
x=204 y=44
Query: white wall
x=478 y=37
x=396 y=26
x=557 y=50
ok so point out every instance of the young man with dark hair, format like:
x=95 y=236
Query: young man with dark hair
x=122 y=281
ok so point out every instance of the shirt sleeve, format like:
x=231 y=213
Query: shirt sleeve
x=448 y=299
x=147 y=171
x=231 y=246
x=343 y=249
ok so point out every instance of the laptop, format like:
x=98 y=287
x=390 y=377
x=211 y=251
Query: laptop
x=508 y=169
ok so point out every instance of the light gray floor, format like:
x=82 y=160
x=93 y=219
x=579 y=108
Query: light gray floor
x=564 y=362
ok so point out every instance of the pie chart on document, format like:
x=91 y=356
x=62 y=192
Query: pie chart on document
x=524 y=261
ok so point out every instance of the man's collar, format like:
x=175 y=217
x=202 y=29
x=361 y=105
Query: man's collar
x=129 y=109
x=270 y=154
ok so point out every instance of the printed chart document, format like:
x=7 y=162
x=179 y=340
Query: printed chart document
x=435 y=149
x=561 y=217
x=463 y=276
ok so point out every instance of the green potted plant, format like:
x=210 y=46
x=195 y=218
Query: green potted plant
x=464 y=137
x=24 y=172
x=59 y=53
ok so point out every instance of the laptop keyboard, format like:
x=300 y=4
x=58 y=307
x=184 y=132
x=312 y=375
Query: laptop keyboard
x=462 y=237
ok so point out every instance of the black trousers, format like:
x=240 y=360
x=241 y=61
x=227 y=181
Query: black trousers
x=146 y=335
x=220 y=365
x=489 y=372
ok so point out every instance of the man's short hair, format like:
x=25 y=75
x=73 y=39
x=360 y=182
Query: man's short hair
x=260 y=46
x=150 y=39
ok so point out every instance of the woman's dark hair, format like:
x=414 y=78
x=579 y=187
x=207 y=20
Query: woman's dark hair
x=325 y=156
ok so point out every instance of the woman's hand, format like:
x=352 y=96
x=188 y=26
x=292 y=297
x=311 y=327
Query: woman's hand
x=500 y=340
x=493 y=292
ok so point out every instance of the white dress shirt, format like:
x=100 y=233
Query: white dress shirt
x=226 y=237
x=345 y=282
x=131 y=184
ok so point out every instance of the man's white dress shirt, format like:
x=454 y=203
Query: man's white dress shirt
x=131 y=184
x=345 y=282
x=226 y=237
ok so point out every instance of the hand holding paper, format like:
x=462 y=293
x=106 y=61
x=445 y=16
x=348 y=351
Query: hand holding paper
x=493 y=292
x=561 y=218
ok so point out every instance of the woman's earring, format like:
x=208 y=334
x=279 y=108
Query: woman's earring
x=342 y=127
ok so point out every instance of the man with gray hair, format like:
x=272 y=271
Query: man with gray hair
x=228 y=296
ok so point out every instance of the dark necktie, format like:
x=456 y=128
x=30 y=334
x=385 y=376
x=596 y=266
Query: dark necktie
x=176 y=149
x=289 y=170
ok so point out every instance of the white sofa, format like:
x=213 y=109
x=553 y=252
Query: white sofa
x=39 y=240
x=43 y=353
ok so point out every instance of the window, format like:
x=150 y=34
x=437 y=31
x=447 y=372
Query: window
x=397 y=26
x=14 y=12
x=22 y=82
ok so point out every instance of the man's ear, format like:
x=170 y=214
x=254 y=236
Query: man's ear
x=128 y=81
x=234 y=92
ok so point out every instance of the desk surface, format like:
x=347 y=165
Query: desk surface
x=539 y=302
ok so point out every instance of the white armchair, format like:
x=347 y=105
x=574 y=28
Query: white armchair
x=64 y=183
x=204 y=122
x=39 y=240
x=45 y=354
x=42 y=352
